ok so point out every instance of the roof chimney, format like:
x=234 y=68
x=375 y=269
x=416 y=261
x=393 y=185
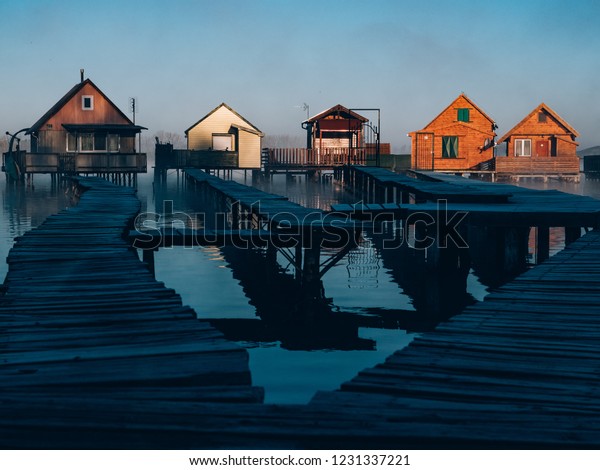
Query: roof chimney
x=81 y=72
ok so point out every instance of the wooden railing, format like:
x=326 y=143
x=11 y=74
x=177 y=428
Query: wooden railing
x=327 y=157
x=537 y=165
x=81 y=162
x=168 y=157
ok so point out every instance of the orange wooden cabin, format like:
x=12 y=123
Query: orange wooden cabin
x=460 y=138
x=541 y=144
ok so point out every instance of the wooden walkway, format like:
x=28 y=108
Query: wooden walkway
x=519 y=370
x=525 y=207
x=83 y=320
x=385 y=184
x=277 y=213
x=97 y=354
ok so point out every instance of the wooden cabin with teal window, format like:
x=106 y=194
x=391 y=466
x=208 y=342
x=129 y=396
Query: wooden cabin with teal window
x=460 y=138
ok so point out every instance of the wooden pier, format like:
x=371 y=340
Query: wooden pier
x=96 y=354
x=83 y=321
x=518 y=370
x=502 y=214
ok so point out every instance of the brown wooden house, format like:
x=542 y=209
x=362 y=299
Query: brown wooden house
x=460 y=138
x=84 y=132
x=336 y=133
x=543 y=143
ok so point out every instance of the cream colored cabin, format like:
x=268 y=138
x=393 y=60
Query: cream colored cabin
x=224 y=130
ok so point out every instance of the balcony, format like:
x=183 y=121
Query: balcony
x=74 y=163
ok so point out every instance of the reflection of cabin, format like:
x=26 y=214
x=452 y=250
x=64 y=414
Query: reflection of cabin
x=84 y=132
x=225 y=136
x=461 y=137
x=541 y=144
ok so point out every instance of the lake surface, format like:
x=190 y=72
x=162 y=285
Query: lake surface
x=372 y=302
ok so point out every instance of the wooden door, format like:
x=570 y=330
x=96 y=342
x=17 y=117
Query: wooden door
x=542 y=148
x=424 y=151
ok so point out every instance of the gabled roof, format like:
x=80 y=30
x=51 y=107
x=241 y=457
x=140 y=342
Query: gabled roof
x=223 y=105
x=248 y=129
x=462 y=95
x=549 y=111
x=65 y=99
x=338 y=108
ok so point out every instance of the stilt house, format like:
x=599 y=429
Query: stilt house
x=223 y=138
x=84 y=132
x=460 y=138
x=542 y=143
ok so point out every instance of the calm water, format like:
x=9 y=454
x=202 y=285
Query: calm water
x=370 y=304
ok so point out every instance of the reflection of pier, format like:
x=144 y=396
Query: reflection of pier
x=293 y=312
x=252 y=228
x=435 y=279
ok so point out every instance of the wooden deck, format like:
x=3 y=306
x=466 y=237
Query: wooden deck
x=524 y=207
x=387 y=185
x=303 y=159
x=564 y=167
x=519 y=370
x=277 y=214
x=97 y=354
x=484 y=203
x=82 y=318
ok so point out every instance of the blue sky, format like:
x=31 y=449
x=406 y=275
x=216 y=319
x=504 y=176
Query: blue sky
x=266 y=58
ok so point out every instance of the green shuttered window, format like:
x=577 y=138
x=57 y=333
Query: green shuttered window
x=450 y=146
x=463 y=114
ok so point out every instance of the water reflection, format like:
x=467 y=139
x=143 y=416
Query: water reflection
x=296 y=314
x=25 y=207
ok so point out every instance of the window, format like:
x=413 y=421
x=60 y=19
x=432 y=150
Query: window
x=222 y=142
x=449 y=146
x=86 y=142
x=93 y=142
x=99 y=142
x=542 y=116
x=87 y=102
x=522 y=147
x=463 y=114
x=71 y=142
x=113 y=142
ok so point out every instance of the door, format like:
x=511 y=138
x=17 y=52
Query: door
x=542 y=148
x=423 y=151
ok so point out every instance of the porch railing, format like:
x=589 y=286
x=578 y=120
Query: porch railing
x=80 y=162
x=327 y=157
x=537 y=165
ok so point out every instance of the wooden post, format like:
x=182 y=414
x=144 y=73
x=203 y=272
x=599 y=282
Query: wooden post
x=572 y=234
x=148 y=258
x=542 y=244
x=310 y=267
x=515 y=249
x=298 y=267
x=235 y=215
